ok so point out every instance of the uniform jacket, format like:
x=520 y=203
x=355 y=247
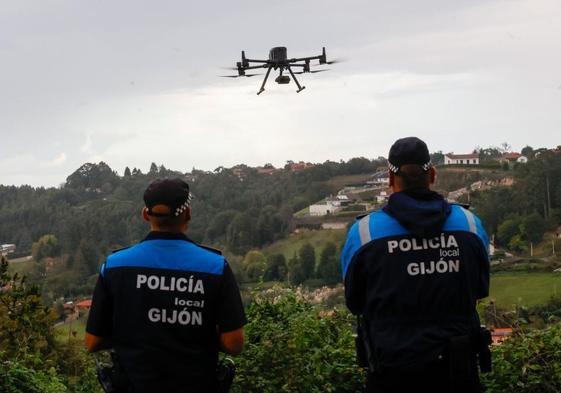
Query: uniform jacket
x=163 y=302
x=415 y=270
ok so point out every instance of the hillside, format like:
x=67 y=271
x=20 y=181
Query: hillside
x=317 y=238
x=523 y=288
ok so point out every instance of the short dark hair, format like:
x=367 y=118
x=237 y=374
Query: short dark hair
x=413 y=176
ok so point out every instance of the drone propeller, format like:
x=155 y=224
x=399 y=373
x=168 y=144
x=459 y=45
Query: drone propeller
x=310 y=72
x=237 y=76
x=334 y=61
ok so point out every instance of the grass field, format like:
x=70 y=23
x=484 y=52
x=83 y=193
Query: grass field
x=66 y=330
x=528 y=289
x=338 y=182
x=20 y=266
x=317 y=238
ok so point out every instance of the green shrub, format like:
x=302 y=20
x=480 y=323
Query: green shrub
x=16 y=378
x=292 y=346
x=527 y=363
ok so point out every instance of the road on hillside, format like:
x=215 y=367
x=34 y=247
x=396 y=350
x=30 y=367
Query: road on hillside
x=22 y=259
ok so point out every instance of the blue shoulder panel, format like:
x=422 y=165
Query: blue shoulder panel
x=352 y=245
x=461 y=219
x=379 y=225
x=167 y=254
x=372 y=227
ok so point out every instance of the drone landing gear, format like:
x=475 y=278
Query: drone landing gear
x=300 y=88
x=262 y=89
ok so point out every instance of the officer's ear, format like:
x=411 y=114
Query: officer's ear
x=432 y=175
x=145 y=215
x=392 y=179
x=188 y=213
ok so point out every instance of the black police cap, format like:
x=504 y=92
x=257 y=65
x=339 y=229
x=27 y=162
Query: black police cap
x=406 y=151
x=173 y=193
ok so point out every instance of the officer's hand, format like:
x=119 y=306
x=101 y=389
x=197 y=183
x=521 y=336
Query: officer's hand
x=232 y=342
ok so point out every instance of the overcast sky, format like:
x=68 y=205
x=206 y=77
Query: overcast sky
x=135 y=82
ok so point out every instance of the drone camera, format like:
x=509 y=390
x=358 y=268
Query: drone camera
x=283 y=79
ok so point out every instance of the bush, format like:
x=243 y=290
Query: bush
x=527 y=363
x=292 y=346
x=16 y=378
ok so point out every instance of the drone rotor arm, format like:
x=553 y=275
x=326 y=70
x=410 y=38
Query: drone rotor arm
x=256 y=61
x=255 y=67
x=304 y=59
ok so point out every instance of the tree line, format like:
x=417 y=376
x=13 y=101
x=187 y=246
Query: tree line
x=97 y=211
x=304 y=265
x=521 y=214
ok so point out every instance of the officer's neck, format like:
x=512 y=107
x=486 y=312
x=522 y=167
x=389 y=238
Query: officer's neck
x=180 y=229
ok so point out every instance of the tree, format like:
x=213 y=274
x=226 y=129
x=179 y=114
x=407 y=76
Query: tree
x=127 y=172
x=490 y=154
x=307 y=257
x=437 y=157
x=527 y=151
x=153 y=169
x=92 y=177
x=505 y=147
x=296 y=274
x=86 y=259
x=26 y=326
x=276 y=268
x=254 y=265
x=218 y=226
x=46 y=247
x=533 y=227
x=239 y=236
x=328 y=267
x=508 y=229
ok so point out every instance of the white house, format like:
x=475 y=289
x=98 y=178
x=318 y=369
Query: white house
x=461 y=159
x=329 y=206
x=380 y=178
x=382 y=197
x=6 y=249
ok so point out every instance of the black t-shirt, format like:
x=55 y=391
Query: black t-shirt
x=163 y=302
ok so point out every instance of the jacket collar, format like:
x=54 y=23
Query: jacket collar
x=157 y=235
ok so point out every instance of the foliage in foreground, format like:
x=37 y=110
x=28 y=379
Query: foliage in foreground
x=527 y=363
x=16 y=378
x=26 y=326
x=31 y=361
x=294 y=346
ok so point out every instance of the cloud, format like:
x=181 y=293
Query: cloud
x=457 y=73
x=57 y=161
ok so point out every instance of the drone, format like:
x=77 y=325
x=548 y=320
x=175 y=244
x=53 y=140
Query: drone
x=278 y=60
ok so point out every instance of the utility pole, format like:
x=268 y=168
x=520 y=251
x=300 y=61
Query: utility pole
x=548 y=195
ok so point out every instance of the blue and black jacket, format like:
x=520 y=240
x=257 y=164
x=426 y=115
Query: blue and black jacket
x=163 y=302
x=415 y=270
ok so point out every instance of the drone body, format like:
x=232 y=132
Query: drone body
x=278 y=60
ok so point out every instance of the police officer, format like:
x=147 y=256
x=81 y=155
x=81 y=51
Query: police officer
x=167 y=305
x=414 y=271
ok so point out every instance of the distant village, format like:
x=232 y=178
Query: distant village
x=375 y=191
